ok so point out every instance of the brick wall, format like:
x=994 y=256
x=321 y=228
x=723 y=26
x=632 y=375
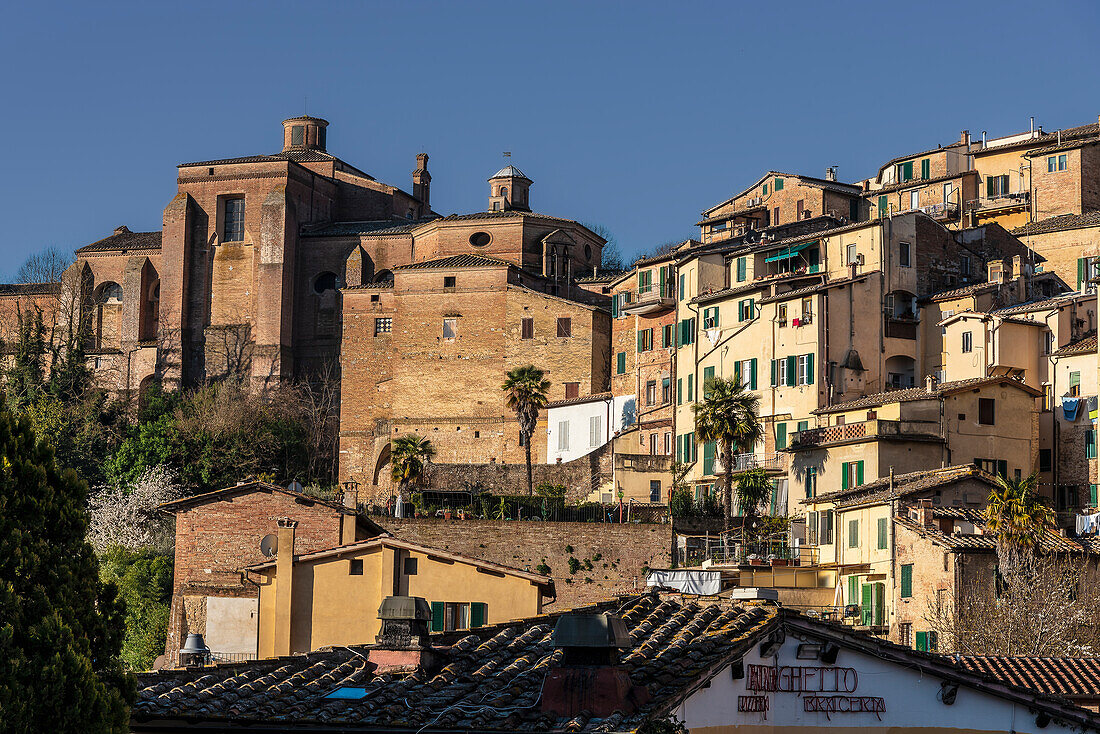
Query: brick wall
x=622 y=550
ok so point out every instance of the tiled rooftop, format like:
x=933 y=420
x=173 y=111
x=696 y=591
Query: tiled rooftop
x=966 y=290
x=457 y=261
x=377 y=227
x=1049 y=541
x=491 y=678
x=903 y=485
x=124 y=239
x=1060 y=223
x=914 y=393
x=1071 y=677
x=1084 y=345
x=30 y=289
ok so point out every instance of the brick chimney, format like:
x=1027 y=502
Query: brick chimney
x=348 y=519
x=403 y=643
x=922 y=513
x=588 y=676
x=284 y=585
x=422 y=182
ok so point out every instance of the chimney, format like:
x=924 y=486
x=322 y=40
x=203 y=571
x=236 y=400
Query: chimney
x=403 y=643
x=964 y=138
x=194 y=652
x=929 y=383
x=284 y=585
x=122 y=229
x=349 y=518
x=830 y=173
x=922 y=513
x=422 y=183
x=587 y=676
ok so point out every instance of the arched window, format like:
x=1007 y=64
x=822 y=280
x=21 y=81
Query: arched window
x=109 y=293
x=327 y=281
x=107 y=325
x=383 y=276
x=504 y=191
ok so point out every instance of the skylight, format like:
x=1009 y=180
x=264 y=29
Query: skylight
x=344 y=692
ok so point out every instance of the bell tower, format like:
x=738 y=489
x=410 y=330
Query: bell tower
x=304 y=133
x=508 y=190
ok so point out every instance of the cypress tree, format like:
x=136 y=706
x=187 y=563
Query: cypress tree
x=61 y=627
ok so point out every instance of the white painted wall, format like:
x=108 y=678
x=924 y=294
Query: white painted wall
x=912 y=701
x=231 y=624
x=570 y=433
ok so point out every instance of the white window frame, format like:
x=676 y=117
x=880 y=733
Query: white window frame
x=781 y=373
x=595 y=431
x=563 y=435
x=914 y=199
x=967 y=342
x=453 y=322
x=803 y=369
x=852 y=255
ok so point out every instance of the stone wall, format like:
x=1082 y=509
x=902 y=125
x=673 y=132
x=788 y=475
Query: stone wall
x=579 y=476
x=618 y=554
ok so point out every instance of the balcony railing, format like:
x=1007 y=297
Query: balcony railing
x=652 y=297
x=747 y=462
x=999 y=201
x=816 y=437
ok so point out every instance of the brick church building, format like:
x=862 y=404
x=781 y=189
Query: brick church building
x=279 y=266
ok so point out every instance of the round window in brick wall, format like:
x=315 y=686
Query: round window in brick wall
x=480 y=239
x=588 y=252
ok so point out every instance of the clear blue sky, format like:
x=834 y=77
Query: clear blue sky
x=633 y=115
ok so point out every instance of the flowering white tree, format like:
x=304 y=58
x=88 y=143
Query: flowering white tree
x=126 y=516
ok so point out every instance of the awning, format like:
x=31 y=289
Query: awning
x=788 y=252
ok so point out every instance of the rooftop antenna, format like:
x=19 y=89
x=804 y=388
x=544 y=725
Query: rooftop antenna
x=305 y=105
x=507 y=154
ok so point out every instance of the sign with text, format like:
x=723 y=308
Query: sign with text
x=813 y=680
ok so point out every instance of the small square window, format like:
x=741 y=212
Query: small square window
x=383 y=325
x=449 y=281
x=355 y=567
x=565 y=326
x=374 y=298
x=985 y=411
x=410 y=567
x=572 y=390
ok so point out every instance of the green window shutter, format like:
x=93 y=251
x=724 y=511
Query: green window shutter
x=882 y=533
x=865 y=605
x=859 y=473
x=1092 y=495
x=989 y=185
x=620 y=363
x=679 y=449
x=810 y=368
x=853 y=533
x=708 y=458
x=752 y=378
x=742 y=269
x=765 y=189
x=925 y=168
x=680 y=391
x=714 y=317
x=708 y=375
x=778 y=184
x=853 y=589
x=478 y=614
x=691 y=388
x=694 y=447
x=640 y=341
x=780 y=436
x=792 y=366
x=683 y=285
x=615 y=306
x=1082 y=267
x=803 y=425
x=922 y=641
x=907 y=171
x=880 y=604
x=906 y=580
x=844 y=475
x=883 y=207
x=775 y=370
x=664 y=279
x=437 y=616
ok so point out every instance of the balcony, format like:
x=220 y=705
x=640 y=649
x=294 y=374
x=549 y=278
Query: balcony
x=999 y=203
x=941 y=211
x=813 y=438
x=651 y=299
x=643 y=463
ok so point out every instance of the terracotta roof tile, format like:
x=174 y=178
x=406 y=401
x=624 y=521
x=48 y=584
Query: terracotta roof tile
x=30 y=289
x=458 y=261
x=491 y=680
x=1057 y=676
x=383 y=226
x=914 y=393
x=966 y=290
x=124 y=239
x=1084 y=345
x=903 y=485
x=1060 y=223
x=580 y=400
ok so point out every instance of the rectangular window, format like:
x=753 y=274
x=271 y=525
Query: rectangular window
x=450 y=328
x=527 y=329
x=883 y=206
x=804 y=362
x=745 y=310
x=778 y=184
x=780 y=436
x=565 y=326
x=691 y=388
x=782 y=314
x=775 y=215
x=745 y=372
x=882 y=531
x=667 y=332
x=449 y=282
x=683 y=285
x=651 y=392
x=298 y=135
x=666 y=391
x=904 y=255
x=572 y=390
x=905 y=634
x=906 y=580
x=1074 y=384
x=654 y=490
x=811 y=482
x=595 y=431
x=355 y=567
x=948 y=191
x=996 y=186
x=851 y=474
x=853 y=533
x=825 y=535
x=710 y=318
x=383 y=325
x=906 y=171
x=680 y=391
x=620 y=363
x=1090 y=444
x=914 y=199
x=742 y=269
x=1045 y=463
x=668 y=442
x=708 y=377
x=563 y=435
x=852 y=255
x=645 y=340
x=233 y=224
x=968 y=342
x=925 y=168
x=687 y=332
x=1056 y=163
x=985 y=411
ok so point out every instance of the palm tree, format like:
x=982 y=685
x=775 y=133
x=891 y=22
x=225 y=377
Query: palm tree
x=729 y=416
x=409 y=454
x=753 y=488
x=1018 y=515
x=525 y=392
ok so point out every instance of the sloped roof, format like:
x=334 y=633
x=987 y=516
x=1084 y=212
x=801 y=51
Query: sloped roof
x=966 y=290
x=381 y=226
x=1070 y=677
x=916 y=183
x=820 y=183
x=1060 y=223
x=30 y=289
x=245 y=488
x=492 y=679
x=919 y=393
x=1046 y=303
x=458 y=261
x=1084 y=345
x=1049 y=541
x=509 y=172
x=600 y=396
x=904 y=485
x=124 y=239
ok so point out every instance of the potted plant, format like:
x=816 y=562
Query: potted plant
x=448 y=513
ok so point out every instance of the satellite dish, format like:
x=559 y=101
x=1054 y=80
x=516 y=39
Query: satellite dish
x=269 y=545
x=295 y=486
